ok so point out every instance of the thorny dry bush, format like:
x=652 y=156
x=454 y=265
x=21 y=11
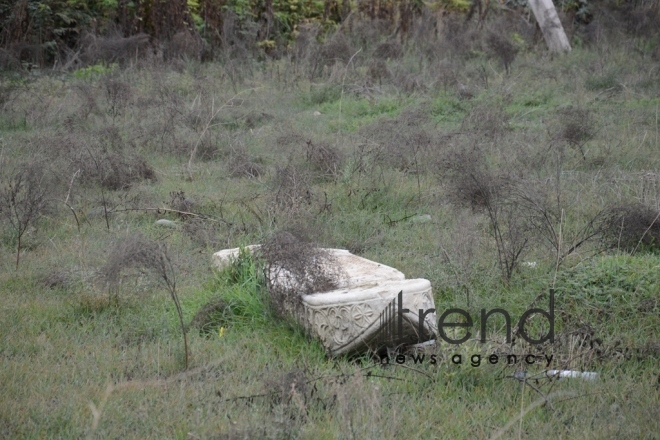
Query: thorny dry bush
x=181 y=203
x=470 y=183
x=291 y=188
x=112 y=170
x=503 y=49
x=241 y=164
x=296 y=267
x=335 y=50
x=631 y=226
x=136 y=252
x=324 y=159
x=489 y=121
x=24 y=199
x=115 y=49
x=574 y=126
x=117 y=93
x=403 y=142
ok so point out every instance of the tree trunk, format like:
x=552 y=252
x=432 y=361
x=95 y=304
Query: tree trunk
x=548 y=20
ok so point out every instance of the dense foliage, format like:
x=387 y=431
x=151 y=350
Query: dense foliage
x=45 y=32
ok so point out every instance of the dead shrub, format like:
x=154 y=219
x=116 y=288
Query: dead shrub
x=115 y=49
x=117 y=93
x=204 y=233
x=112 y=170
x=469 y=182
x=575 y=126
x=489 y=120
x=136 y=252
x=631 y=226
x=502 y=48
x=388 y=50
x=240 y=164
x=335 y=50
x=184 y=46
x=378 y=72
x=403 y=142
x=291 y=187
x=23 y=200
x=324 y=159
x=294 y=267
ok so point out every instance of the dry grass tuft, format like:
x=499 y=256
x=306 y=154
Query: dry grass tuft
x=56 y=279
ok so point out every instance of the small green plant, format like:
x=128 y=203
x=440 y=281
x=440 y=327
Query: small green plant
x=95 y=71
x=238 y=297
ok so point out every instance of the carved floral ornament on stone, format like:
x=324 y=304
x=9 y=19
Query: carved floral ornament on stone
x=374 y=305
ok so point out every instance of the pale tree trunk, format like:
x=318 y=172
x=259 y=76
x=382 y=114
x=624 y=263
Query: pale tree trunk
x=548 y=20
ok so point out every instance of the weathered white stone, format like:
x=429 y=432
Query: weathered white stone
x=166 y=223
x=223 y=258
x=423 y=218
x=362 y=313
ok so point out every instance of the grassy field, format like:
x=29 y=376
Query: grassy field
x=485 y=165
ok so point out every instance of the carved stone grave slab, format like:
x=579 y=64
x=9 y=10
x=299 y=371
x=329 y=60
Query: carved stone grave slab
x=363 y=312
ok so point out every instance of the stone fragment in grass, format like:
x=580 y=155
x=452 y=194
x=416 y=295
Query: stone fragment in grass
x=166 y=223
